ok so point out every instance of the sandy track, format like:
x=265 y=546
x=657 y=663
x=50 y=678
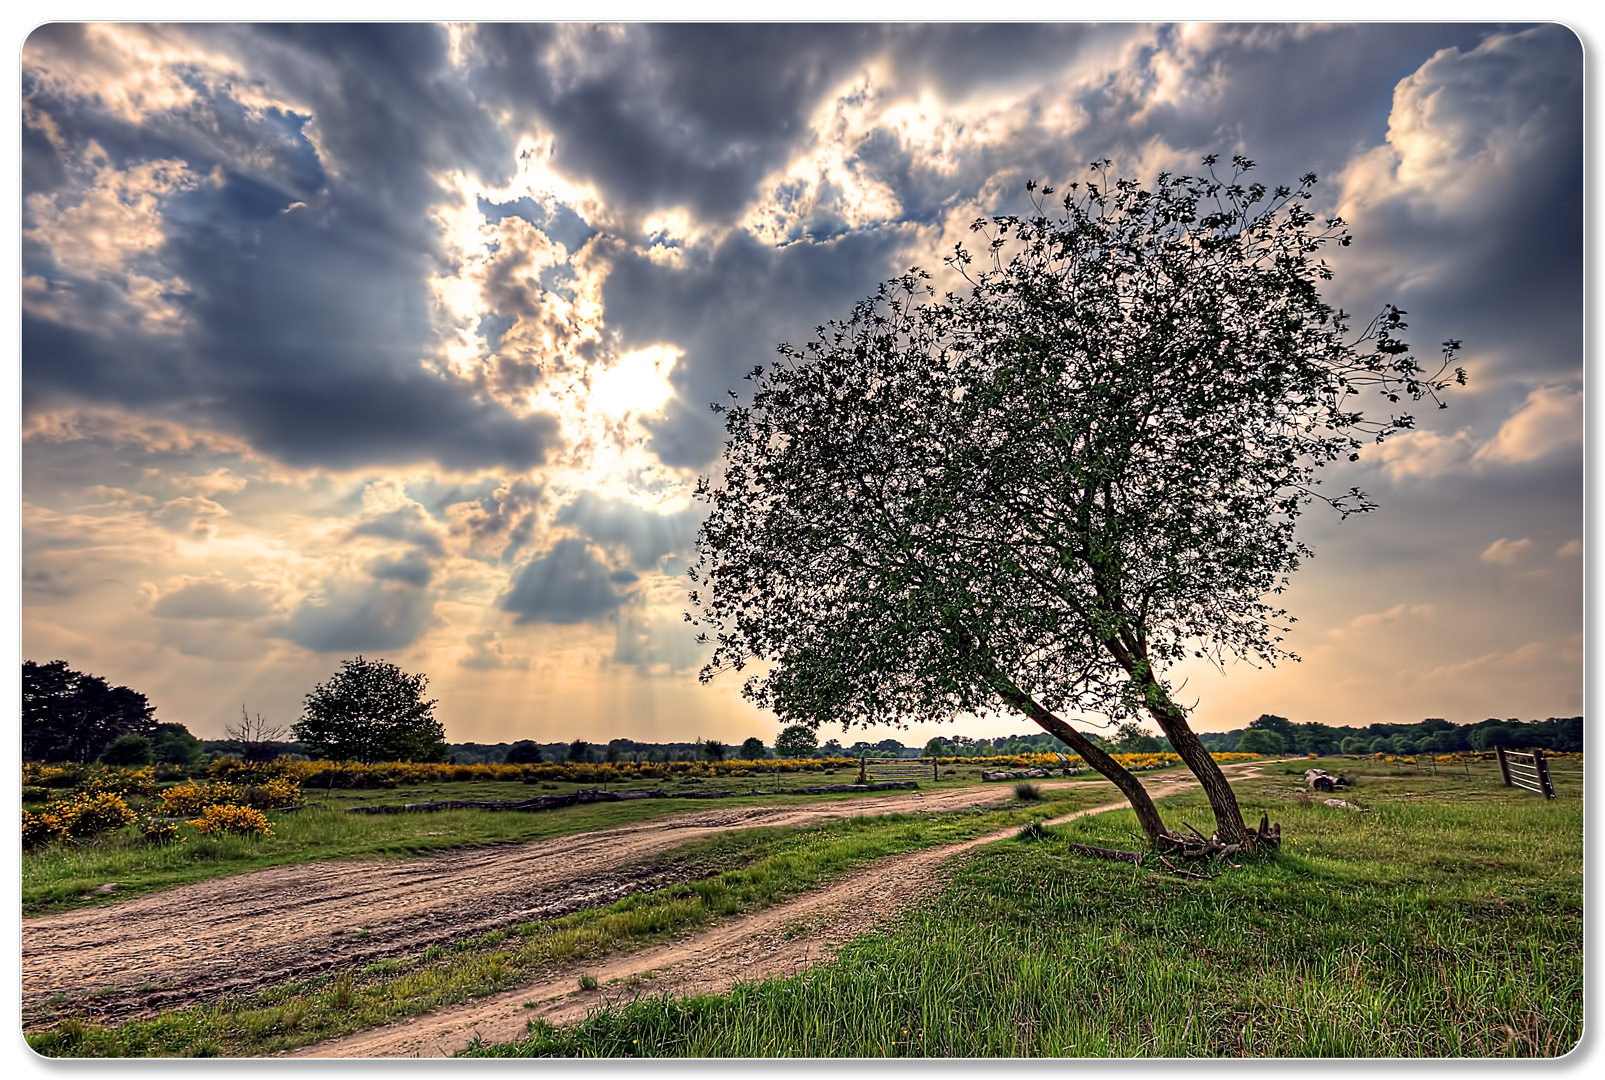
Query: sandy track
x=194 y=943
x=746 y=949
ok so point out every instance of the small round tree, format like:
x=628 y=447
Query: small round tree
x=371 y=710
x=1261 y=741
x=127 y=749
x=523 y=752
x=753 y=750
x=796 y=741
x=1040 y=494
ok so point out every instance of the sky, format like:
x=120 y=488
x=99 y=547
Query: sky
x=399 y=340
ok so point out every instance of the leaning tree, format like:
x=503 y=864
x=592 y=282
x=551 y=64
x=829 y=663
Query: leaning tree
x=1041 y=492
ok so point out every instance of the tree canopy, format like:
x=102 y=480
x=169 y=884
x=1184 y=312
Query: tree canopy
x=796 y=741
x=371 y=710
x=1038 y=493
x=71 y=715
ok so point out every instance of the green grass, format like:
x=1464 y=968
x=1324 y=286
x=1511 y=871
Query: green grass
x=66 y=875
x=752 y=869
x=1447 y=922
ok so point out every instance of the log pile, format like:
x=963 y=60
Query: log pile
x=1321 y=780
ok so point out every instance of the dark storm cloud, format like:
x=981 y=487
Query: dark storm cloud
x=728 y=308
x=669 y=115
x=410 y=569
x=566 y=585
x=1502 y=224
x=306 y=325
x=647 y=535
x=355 y=617
x=406 y=523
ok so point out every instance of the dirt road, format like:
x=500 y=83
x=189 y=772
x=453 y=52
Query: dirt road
x=781 y=940
x=196 y=943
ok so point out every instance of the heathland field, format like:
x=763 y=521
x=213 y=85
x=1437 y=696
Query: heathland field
x=1441 y=917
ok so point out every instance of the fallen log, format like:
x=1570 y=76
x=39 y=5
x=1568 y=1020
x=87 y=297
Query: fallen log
x=1133 y=857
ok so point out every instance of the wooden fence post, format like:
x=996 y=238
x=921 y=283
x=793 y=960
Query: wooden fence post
x=1504 y=766
x=1544 y=782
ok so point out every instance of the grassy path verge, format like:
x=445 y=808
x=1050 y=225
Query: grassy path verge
x=1446 y=922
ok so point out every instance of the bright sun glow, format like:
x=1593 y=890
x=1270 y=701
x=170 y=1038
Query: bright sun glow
x=638 y=383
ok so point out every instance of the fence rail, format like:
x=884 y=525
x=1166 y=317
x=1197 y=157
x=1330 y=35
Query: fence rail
x=897 y=768
x=1527 y=771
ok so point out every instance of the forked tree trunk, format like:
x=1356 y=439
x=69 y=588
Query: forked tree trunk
x=1222 y=799
x=1147 y=813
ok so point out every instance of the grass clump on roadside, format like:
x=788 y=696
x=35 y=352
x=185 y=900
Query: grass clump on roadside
x=750 y=870
x=1427 y=928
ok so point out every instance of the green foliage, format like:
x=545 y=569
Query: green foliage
x=129 y=749
x=371 y=710
x=523 y=752
x=172 y=744
x=1261 y=741
x=713 y=749
x=753 y=749
x=1131 y=738
x=1078 y=471
x=796 y=741
x=70 y=715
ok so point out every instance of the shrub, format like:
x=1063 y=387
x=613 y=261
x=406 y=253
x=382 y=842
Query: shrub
x=156 y=831
x=192 y=798
x=39 y=829
x=244 y=820
x=127 y=749
x=91 y=813
x=1027 y=792
x=138 y=782
x=278 y=792
x=55 y=776
x=34 y=793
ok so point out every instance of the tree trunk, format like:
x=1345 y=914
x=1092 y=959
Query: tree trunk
x=1147 y=814
x=1222 y=799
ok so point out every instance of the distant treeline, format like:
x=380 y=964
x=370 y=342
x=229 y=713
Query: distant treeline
x=1433 y=736
x=1438 y=736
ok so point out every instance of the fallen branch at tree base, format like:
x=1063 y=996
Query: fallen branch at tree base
x=1133 y=857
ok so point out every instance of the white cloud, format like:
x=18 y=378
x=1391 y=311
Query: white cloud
x=1550 y=419
x=1505 y=551
x=1414 y=455
x=1570 y=549
x=1365 y=624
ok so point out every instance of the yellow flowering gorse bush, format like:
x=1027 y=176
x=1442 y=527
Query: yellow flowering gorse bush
x=191 y=798
x=244 y=820
x=81 y=816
